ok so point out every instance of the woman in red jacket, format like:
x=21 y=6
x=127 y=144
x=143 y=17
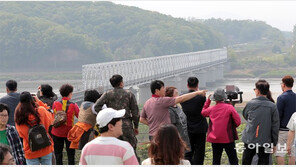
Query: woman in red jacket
x=223 y=118
x=60 y=133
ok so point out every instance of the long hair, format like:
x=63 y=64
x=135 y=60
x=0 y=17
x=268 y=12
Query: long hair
x=263 y=86
x=25 y=108
x=269 y=96
x=167 y=147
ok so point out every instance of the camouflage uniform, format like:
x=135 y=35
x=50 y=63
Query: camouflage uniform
x=117 y=99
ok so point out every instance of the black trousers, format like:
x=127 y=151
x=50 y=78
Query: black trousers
x=263 y=157
x=198 y=143
x=58 y=150
x=230 y=151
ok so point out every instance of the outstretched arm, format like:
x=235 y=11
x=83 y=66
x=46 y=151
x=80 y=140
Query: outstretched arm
x=188 y=96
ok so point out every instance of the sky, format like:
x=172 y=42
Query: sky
x=279 y=14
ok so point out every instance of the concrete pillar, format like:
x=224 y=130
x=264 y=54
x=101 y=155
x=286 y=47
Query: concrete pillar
x=220 y=72
x=144 y=93
x=202 y=77
x=171 y=81
x=211 y=76
x=135 y=90
x=183 y=82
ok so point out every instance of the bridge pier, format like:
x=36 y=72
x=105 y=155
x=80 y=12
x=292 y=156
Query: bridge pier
x=220 y=72
x=202 y=77
x=179 y=81
x=210 y=77
x=144 y=93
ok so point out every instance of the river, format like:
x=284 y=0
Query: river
x=245 y=84
x=31 y=86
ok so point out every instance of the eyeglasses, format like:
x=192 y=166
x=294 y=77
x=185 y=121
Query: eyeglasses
x=3 y=115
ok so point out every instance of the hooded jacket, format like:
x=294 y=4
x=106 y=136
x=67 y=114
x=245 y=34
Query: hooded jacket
x=262 y=122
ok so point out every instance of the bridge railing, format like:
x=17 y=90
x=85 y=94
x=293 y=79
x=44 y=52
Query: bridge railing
x=141 y=70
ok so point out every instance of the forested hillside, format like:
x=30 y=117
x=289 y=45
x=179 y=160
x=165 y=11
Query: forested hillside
x=52 y=36
x=293 y=50
x=242 y=31
x=65 y=35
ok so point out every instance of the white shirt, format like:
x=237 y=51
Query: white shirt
x=292 y=123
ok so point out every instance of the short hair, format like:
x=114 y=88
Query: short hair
x=66 y=89
x=115 y=80
x=169 y=91
x=11 y=85
x=91 y=95
x=46 y=90
x=105 y=128
x=4 y=107
x=192 y=82
x=4 y=149
x=157 y=84
x=288 y=81
x=262 y=86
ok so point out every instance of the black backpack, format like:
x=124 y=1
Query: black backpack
x=38 y=137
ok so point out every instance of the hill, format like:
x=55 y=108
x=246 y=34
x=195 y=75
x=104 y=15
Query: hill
x=243 y=31
x=51 y=36
x=55 y=36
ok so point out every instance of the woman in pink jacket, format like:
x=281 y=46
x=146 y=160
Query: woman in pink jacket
x=222 y=127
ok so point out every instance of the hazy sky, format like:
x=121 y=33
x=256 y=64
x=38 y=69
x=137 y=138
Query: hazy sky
x=279 y=14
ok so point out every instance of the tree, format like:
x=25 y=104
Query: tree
x=294 y=34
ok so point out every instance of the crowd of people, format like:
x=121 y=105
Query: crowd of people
x=34 y=128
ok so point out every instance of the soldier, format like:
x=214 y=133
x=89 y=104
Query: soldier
x=118 y=99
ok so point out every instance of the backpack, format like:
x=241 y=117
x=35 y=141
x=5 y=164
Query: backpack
x=60 y=116
x=38 y=137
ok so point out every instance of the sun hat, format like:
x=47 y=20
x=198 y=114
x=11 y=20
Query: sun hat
x=219 y=95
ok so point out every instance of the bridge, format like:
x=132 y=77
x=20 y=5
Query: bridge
x=137 y=74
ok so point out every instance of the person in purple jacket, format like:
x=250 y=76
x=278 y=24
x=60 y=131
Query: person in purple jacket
x=223 y=118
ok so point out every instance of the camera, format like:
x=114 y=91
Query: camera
x=234 y=95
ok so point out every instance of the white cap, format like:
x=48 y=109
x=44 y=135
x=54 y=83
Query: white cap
x=107 y=114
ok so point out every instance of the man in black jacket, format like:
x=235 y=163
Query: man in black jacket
x=197 y=124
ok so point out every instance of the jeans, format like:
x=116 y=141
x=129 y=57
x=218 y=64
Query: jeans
x=230 y=151
x=198 y=143
x=45 y=160
x=58 y=150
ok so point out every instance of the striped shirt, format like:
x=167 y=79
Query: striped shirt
x=108 y=151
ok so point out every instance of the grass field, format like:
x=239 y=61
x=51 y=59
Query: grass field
x=143 y=145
